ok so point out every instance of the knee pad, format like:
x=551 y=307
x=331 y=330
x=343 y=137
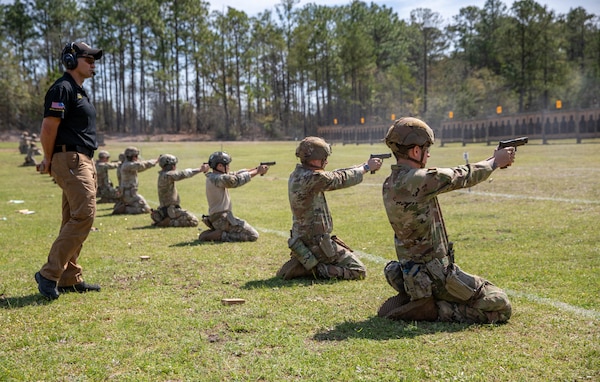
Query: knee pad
x=393 y=275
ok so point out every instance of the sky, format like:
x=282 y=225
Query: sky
x=446 y=8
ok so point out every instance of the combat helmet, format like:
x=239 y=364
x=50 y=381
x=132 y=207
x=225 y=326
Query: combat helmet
x=313 y=148
x=103 y=154
x=409 y=132
x=167 y=160
x=130 y=152
x=218 y=157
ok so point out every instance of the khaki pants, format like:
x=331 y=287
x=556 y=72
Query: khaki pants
x=75 y=173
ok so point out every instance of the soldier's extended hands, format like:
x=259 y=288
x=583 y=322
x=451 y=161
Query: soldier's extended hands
x=504 y=157
x=262 y=169
x=204 y=168
x=374 y=164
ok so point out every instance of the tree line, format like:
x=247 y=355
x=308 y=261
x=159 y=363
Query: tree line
x=173 y=66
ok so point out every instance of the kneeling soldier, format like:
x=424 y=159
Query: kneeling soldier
x=170 y=213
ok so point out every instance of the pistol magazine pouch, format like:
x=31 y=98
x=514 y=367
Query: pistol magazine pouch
x=417 y=282
x=302 y=253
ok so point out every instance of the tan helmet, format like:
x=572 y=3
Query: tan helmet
x=167 y=160
x=103 y=154
x=409 y=131
x=313 y=148
x=130 y=152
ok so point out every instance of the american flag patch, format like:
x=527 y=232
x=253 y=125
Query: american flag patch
x=57 y=106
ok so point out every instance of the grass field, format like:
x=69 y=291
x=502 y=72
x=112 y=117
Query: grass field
x=532 y=229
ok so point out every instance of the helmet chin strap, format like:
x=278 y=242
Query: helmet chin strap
x=311 y=166
x=421 y=162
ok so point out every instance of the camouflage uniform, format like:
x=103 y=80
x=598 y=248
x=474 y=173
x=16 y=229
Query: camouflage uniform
x=425 y=270
x=106 y=193
x=170 y=213
x=31 y=153
x=119 y=166
x=24 y=142
x=314 y=249
x=219 y=203
x=131 y=202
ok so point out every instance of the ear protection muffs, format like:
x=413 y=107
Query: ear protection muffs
x=69 y=57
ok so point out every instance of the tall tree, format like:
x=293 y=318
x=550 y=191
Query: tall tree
x=431 y=42
x=524 y=50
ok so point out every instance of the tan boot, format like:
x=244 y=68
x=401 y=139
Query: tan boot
x=393 y=303
x=423 y=309
x=210 y=235
x=292 y=269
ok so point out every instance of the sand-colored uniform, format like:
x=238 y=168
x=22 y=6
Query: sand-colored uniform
x=106 y=192
x=170 y=213
x=220 y=214
x=131 y=202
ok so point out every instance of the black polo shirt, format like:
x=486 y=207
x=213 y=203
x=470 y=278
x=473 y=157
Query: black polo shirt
x=69 y=102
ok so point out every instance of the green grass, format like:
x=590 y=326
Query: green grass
x=533 y=230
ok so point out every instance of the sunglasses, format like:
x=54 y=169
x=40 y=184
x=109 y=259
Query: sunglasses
x=89 y=60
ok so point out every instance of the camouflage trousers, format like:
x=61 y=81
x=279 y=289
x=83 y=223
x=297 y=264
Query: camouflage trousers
x=344 y=264
x=234 y=229
x=459 y=296
x=173 y=216
x=131 y=203
x=108 y=195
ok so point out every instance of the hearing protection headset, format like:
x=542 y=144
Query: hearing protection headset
x=69 y=56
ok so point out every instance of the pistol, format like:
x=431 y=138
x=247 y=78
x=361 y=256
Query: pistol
x=267 y=164
x=513 y=143
x=380 y=156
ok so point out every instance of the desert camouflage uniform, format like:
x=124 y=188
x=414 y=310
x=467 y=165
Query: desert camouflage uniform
x=426 y=263
x=219 y=202
x=131 y=202
x=169 y=213
x=312 y=223
x=106 y=192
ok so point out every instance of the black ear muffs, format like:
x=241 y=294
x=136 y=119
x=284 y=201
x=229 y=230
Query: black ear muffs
x=69 y=57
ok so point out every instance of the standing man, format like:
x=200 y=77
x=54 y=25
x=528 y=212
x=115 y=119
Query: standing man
x=68 y=137
x=430 y=285
x=314 y=250
x=106 y=192
x=224 y=226
x=169 y=213
x=131 y=202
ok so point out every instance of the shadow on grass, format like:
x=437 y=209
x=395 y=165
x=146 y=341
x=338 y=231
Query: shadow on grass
x=149 y=226
x=23 y=301
x=278 y=282
x=195 y=242
x=377 y=328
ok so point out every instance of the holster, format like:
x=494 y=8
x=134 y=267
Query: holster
x=327 y=246
x=339 y=242
x=460 y=285
x=207 y=222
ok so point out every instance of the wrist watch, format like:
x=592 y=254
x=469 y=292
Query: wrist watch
x=366 y=167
